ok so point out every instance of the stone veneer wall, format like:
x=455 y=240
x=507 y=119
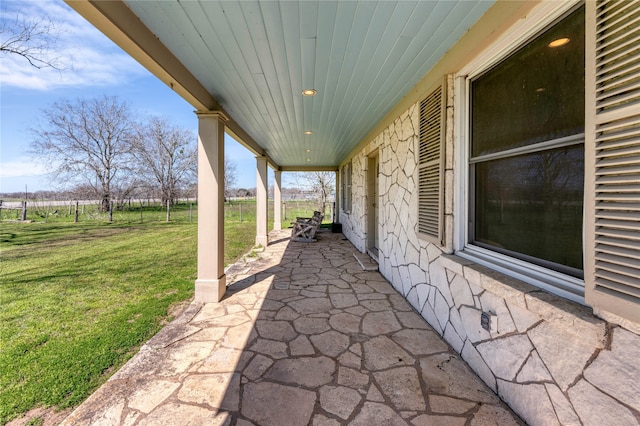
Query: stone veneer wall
x=550 y=359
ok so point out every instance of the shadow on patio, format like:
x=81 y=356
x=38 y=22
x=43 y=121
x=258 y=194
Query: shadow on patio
x=303 y=336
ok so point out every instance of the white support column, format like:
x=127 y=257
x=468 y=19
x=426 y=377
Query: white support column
x=262 y=210
x=277 y=200
x=211 y=283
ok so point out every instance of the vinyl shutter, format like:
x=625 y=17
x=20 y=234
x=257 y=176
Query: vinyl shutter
x=430 y=166
x=612 y=154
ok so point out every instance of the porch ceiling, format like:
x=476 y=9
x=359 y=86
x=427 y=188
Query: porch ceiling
x=255 y=58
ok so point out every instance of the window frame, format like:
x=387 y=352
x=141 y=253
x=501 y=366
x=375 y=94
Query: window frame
x=539 y=20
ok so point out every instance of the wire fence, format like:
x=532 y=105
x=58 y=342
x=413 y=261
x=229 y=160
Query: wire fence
x=150 y=211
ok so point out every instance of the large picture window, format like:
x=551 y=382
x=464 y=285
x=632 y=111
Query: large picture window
x=526 y=151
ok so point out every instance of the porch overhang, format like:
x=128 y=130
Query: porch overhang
x=250 y=60
x=116 y=20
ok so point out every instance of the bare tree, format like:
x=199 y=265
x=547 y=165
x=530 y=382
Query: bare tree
x=166 y=155
x=87 y=141
x=33 y=39
x=230 y=176
x=322 y=184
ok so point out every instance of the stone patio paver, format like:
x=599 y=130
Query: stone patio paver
x=304 y=336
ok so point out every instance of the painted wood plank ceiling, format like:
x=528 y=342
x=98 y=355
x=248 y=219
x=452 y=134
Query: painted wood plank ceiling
x=256 y=58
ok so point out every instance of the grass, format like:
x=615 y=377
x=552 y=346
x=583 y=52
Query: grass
x=77 y=300
x=72 y=309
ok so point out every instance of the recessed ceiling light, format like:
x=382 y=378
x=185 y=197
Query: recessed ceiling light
x=308 y=132
x=309 y=92
x=559 y=42
x=308 y=150
x=308 y=160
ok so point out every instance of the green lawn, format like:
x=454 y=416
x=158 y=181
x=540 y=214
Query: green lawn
x=77 y=300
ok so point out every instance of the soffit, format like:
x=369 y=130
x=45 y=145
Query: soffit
x=256 y=57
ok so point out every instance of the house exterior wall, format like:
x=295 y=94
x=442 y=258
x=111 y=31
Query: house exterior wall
x=552 y=360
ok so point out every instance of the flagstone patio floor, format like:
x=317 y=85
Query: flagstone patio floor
x=304 y=336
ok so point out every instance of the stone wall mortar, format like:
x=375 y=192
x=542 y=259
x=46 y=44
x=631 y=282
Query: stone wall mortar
x=551 y=360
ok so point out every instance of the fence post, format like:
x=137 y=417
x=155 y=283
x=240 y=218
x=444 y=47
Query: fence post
x=190 y=213
x=240 y=207
x=70 y=204
x=75 y=215
x=111 y=211
x=284 y=210
x=24 y=211
x=168 y=210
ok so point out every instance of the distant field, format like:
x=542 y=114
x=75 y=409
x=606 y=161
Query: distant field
x=136 y=211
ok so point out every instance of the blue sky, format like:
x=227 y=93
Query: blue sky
x=93 y=66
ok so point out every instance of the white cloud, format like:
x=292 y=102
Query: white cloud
x=21 y=167
x=86 y=57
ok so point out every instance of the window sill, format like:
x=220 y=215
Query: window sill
x=562 y=313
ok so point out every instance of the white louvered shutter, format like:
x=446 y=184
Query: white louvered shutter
x=612 y=218
x=430 y=166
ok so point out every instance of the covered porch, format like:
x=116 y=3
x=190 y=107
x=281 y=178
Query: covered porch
x=383 y=94
x=302 y=85
x=303 y=336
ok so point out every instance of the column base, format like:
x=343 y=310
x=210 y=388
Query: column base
x=277 y=226
x=262 y=240
x=211 y=291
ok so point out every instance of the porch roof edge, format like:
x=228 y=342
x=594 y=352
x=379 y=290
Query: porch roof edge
x=115 y=20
